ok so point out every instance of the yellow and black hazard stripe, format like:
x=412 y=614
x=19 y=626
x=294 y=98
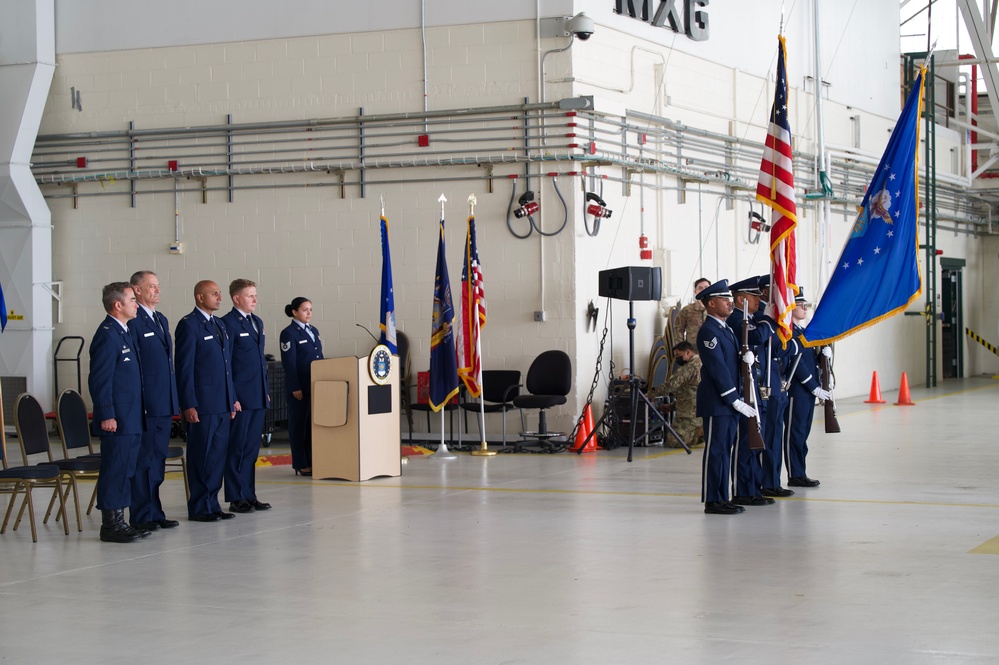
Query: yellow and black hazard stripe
x=973 y=335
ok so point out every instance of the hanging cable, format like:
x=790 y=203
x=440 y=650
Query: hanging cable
x=565 y=211
x=528 y=207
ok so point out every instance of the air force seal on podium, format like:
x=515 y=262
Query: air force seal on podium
x=380 y=364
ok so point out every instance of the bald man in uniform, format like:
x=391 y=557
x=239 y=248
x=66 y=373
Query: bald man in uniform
x=207 y=399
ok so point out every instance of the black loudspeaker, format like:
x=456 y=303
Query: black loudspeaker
x=631 y=283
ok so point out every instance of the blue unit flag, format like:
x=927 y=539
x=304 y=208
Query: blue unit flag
x=3 y=311
x=877 y=275
x=387 y=315
x=443 y=361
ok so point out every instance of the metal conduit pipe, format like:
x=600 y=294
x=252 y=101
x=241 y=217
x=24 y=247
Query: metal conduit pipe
x=676 y=149
x=302 y=124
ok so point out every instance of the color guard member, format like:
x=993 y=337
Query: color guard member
x=719 y=403
x=804 y=388
x=747 y=472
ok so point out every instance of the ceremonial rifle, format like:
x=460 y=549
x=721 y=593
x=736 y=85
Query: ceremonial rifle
x=749 y=385
x=825 y=367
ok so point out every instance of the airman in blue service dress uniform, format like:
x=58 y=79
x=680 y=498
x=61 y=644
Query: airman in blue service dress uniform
x=776 y=363
x=300 y=346
x=207 y=399
x=115 y=384
x=747 y=472
x=719 y=402
x=159 y=395
x=804 y=388
x=249 y=376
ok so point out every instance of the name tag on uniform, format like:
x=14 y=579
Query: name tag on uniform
x=302 y=341
x=149 y=334
x=244 y=334
x=126 y=350
x=208 y=337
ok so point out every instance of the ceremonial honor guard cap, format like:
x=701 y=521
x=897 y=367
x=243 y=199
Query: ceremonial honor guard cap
x=763 y=282
x=800 y=298
x=750 y=286
x=717 y=290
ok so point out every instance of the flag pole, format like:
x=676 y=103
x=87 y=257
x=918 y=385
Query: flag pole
x=442 y=451
x=483 y=450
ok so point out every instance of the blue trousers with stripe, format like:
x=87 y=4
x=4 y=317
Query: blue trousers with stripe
x=773 y=434
x=797 y=425
x=747 y=472
x=720 y=433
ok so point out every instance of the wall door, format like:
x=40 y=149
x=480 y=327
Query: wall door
x=952 y=328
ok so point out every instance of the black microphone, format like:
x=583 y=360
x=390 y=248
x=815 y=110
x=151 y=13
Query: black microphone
x=377 y=341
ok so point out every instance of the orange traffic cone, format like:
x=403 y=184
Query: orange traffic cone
x=903 y=393
x=875 y=397
x=583 y=431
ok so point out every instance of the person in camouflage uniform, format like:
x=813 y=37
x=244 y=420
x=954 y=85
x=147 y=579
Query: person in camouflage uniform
x=690 y=318
x=682 y=383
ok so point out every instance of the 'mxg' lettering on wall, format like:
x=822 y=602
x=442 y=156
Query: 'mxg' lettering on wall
x=695 y=17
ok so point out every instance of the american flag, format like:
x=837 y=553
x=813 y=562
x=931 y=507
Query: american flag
x=473 y=316
x=776 y=189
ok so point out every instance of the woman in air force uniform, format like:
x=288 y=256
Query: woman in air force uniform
x=300 y=345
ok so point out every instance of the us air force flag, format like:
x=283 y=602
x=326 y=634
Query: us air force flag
x=877 y=275
x=3 y=311
x=443 y=361
x=387 y=317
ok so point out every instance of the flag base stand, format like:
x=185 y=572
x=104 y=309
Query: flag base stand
x=443 y=453
x=484 y=451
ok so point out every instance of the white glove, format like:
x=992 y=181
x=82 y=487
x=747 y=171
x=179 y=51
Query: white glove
x=744 y=408
x=748 y=358
x=827 y=352
x=823 y=395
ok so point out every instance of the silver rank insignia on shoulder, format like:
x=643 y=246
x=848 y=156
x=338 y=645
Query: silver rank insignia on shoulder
x=286 y=346
x=712 y=343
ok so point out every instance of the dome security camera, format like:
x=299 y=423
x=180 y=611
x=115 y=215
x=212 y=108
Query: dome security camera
x=581 y=26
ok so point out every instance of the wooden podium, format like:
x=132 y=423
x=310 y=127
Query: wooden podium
x=355 y=422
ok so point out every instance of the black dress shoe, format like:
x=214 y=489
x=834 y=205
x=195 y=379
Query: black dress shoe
x=211 y=517
x=224 y=516
x=304 y=472
x=752 y=500
x=113 y=535
x=721 y=508
x=802 y=481
x=241 y=506
x=776 y=491
x=148 y=526
x=167 y=524
x=259 y=505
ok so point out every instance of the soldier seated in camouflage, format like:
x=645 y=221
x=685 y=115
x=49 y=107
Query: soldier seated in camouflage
x=682 y=384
